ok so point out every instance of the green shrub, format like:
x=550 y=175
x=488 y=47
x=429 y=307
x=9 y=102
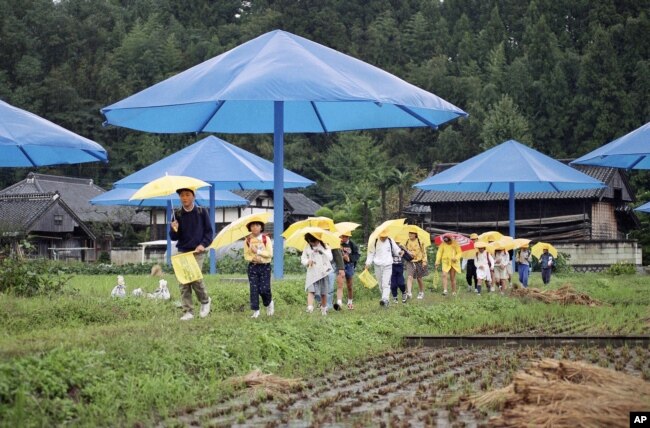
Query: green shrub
x=621 y=268
x=30 y=278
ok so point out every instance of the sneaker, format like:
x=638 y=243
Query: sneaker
x=270 y=309
x=491 y=289
x=323 y=311
x=404 y=298
x=395 y=300
x=205 y=309
x=444 y=292
x=453 y=294
x=469 y=288
x=420 y=295
x=187 y=316
x=382 y=302
x=350 y=306
x=337 y=305
x=310 y=309
x=255 y=314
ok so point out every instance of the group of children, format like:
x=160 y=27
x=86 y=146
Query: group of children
x=325 y=265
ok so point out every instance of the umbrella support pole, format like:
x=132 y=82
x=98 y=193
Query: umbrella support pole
x=170 y=213
x=278 y=190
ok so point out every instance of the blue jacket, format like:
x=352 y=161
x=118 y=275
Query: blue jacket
x=543 y=260
x=193 y=229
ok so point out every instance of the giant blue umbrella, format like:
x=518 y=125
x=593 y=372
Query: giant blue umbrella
x=644 y=208
x=510 y=168
x=219 y=163
x=28 y=140
x=631 y=151
x=122 y=195
x=277 y=83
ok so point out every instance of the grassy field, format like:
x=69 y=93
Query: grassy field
x=86 y=359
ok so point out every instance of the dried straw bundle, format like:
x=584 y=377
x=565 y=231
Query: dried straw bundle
x=564 y=295
x=567 y=394
x=270 y=383
x=156 y=270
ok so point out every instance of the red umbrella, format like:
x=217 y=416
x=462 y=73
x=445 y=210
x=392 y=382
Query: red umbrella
x=462 y=240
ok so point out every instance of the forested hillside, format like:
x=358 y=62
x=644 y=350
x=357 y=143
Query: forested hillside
x=562 y=76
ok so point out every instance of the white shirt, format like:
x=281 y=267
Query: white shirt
x=383 y=254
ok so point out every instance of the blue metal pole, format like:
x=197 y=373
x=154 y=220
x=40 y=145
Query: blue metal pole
x=168 y=215
x=278 y=189
x=511 y=213
x=213 y=253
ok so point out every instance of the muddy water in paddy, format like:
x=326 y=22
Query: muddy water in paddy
x=412 y=388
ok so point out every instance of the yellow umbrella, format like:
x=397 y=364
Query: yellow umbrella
x=520 y=242
x=237 y=229
x=322 y=222
x=479 y=244
x=297 y=239
x=167 y=185
x=538 y=249
x=391 y=227
x=423 y=235
x=492 y=235
x=506 y=243
x=345 y=227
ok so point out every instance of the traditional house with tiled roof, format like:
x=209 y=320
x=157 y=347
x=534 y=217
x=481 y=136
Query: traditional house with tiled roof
x=596 y=215
x=73 y=195
x=52 y=225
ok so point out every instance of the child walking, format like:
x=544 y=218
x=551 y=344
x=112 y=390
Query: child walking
x=317 y=258
x=258 y=251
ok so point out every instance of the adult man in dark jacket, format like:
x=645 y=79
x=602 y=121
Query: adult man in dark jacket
x=192 y=229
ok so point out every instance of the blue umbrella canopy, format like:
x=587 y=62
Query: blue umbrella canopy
x=28 y=140
x=323 y=91
x=631 y=151
x=219 y=163
x=513 y=168
x=644 y=208
x=278 y=83
x=121 y=195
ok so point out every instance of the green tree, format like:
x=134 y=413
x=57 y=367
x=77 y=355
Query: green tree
x=504 y=122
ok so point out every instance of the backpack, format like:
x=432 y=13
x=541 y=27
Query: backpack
x=391 y=247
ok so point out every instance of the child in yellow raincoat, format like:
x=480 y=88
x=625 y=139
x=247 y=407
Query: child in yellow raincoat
x=449 y=254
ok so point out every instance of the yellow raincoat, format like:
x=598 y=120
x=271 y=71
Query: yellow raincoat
x=447 y=252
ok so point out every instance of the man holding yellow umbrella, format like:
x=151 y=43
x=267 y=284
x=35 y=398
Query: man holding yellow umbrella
x=192 y=229
x=545 y=253
x=416 y=244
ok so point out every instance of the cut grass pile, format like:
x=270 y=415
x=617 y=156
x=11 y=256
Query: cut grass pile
x=565 y=295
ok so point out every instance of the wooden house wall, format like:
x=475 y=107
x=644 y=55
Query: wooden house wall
x=497 y=211
x=603 y=221
x=45 y=223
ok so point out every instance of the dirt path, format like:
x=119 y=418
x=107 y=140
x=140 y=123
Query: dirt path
x=411 y=388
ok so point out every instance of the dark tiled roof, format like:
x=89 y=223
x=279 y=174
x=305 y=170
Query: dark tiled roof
x=18 y=212
x=295 y=202
x=300 y=204
x=606 y=175
x=75 y=192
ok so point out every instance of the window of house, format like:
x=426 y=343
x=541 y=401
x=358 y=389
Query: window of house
x=58 y=219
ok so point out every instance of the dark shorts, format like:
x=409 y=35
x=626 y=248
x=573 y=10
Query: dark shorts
x=349 y=270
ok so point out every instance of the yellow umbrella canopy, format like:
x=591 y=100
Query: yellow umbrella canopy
x=167 y=185
x=492 y=235
x=391 y=227
x=505 y=243
x=520 y=242
x=297 y=239
x=423 y=235
x=345 y=227
x=238 y=229
x=538 y=249
x=322 y=222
